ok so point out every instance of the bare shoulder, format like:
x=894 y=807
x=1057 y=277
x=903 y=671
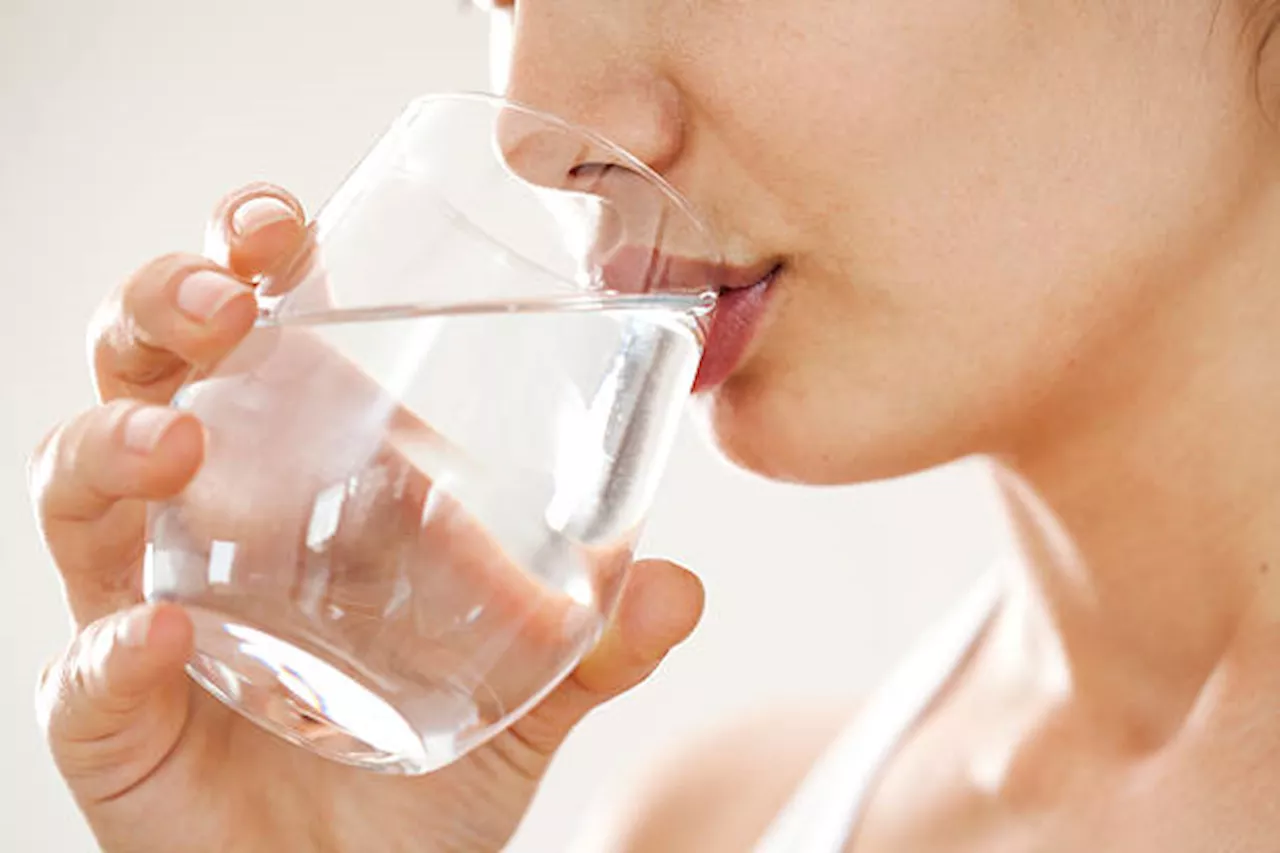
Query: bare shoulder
x=720 y=792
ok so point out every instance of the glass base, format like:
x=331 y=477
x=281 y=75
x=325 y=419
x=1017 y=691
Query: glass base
x=298 y=696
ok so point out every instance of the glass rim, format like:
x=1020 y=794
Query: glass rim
x=628 y=160
x=276 y=304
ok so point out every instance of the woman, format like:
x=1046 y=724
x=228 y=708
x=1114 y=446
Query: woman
x=1044 y=232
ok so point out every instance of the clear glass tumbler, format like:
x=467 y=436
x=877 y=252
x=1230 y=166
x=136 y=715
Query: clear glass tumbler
x=428 y=464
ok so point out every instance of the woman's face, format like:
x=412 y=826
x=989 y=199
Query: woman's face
x=976 y=203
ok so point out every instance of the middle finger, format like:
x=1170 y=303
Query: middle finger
x=179 y=311
x=89 y=480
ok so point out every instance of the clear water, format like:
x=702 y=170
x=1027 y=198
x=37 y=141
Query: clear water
x=413 y=521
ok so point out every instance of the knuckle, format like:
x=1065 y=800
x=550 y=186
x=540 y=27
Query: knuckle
x=50 y=693
x=84 y=656
x=61 y=679
x=121 y=305
x=75 y=673
x=124 y=336
x=141 y=293
x=155 y=275
x=40 y=461
x=61 y=462
x=63 y=685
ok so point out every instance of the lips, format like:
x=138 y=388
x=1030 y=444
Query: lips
x=637 y=269
x=734 y=322
x=743 y=298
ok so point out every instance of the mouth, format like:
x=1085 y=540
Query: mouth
x=743 y=299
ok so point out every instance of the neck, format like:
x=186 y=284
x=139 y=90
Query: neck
x=1148 y=517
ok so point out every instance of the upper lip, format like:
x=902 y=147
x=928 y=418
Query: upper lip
x=642 y=270
x=732 y=277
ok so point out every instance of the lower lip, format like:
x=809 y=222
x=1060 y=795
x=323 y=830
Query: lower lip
x=733 y=323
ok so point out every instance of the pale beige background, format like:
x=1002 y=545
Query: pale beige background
x=121 y=121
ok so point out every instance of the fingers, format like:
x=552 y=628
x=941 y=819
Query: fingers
x=182 y=311
x=88 y=481
x=114 y=704
x=254 y=230
x=660 y=607
x=176 y=312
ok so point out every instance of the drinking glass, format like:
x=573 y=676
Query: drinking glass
x=427 y=465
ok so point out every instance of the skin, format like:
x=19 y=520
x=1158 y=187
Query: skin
x=1041 y=232
x=155 y=763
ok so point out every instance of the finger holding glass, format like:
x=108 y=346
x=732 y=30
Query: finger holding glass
x=429 y=462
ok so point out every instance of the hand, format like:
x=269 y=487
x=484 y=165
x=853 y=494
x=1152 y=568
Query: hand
x=154 y=762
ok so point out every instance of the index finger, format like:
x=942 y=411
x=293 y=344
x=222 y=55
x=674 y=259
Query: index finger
x=184 y=311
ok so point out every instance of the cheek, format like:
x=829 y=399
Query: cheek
x=978 y=210
x=844 y=393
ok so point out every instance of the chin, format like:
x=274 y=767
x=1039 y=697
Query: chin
x=786 y=432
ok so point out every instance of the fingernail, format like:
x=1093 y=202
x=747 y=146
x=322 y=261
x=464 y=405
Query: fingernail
x=135 y=627
x=202 y=294
x=257 y=213
x=145 y=427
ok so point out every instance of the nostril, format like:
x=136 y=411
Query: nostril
x=531 y=149
x=591 y=170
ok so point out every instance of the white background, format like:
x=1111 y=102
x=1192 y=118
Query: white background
x=122 y=121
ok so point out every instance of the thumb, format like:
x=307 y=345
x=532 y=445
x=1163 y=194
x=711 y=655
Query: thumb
x=115 y=703
x=660 y=607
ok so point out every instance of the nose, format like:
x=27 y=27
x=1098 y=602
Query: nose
x=586 y=64
x=599 y=67
x=620 y=227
